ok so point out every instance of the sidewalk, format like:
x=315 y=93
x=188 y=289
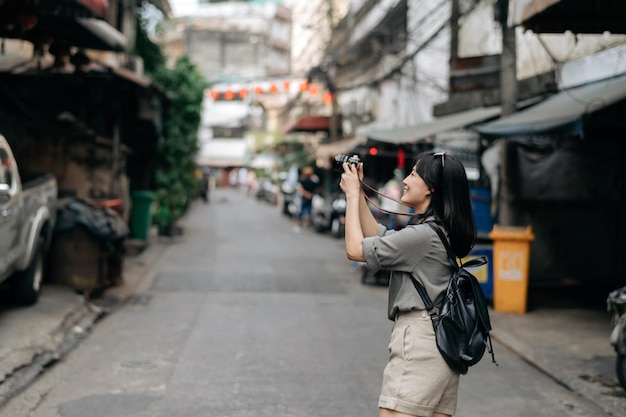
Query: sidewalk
x=35 y=337
x=569 y=345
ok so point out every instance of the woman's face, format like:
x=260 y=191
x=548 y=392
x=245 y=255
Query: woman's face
x=416 y=192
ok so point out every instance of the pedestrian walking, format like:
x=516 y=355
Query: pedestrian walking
x=307 y=186
x=416 y=380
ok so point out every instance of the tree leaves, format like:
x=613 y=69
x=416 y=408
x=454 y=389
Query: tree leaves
x=185 y=84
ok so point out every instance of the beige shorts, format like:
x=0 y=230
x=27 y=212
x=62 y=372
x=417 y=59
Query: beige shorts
x=416 y=380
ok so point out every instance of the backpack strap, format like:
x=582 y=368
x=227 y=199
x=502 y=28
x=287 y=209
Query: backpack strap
x=422 y=292
x=432 y=312
x=444 y=240
x=481 y=260
x=434 y=315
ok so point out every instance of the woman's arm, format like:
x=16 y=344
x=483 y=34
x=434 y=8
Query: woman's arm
x=369 y=225
x=359 y=219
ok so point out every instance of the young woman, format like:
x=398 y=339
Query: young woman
x=416 y=381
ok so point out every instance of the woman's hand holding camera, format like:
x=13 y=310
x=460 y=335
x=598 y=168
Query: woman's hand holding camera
x=351 y=185
x=351 y=179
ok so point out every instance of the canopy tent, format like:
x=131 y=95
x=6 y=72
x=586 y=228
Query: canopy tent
x=412 y=134
x=563 y=112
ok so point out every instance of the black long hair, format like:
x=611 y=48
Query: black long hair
x=450 y=201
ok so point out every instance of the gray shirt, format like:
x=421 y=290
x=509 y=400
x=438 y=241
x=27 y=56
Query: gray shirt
x=414 y=250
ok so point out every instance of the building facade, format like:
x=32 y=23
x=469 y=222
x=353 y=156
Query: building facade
x=418 y=74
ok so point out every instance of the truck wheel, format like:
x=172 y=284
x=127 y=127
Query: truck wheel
x=27 y=284
x=621 y=370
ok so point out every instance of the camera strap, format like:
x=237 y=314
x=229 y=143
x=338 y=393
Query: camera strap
x=369 y=200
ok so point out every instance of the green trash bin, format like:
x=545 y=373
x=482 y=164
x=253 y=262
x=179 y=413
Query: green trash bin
x=141 y=214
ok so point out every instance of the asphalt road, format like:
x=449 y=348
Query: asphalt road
x=242 y=316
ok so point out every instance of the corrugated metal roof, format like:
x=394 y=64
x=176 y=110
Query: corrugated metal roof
x=414 y=133
x=561 y=112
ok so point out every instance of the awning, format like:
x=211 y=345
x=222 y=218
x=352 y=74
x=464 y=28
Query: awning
x=56 y=8
x=99 y=7
x=412 y=134
x=314 y=124
x=85 y=32
x=98 y=34
x=578 y=16
x=561 y=112
x=325 y=152
x=221 y=153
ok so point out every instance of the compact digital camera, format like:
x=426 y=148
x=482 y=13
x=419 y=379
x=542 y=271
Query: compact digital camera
x=340 y=159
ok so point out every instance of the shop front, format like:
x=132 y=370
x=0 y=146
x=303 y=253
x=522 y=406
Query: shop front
x=560 y=171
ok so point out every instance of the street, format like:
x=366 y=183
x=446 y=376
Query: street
x=242 y=316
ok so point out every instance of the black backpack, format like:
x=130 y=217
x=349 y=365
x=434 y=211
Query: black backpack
x=462 y=324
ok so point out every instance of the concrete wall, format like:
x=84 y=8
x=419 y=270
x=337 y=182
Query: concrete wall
x=82 y=169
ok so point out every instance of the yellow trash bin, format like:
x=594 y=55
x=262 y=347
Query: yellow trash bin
x=511 y=256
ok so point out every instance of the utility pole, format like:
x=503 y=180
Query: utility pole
x=508 y=62
x=508 y=102
x=454 y=32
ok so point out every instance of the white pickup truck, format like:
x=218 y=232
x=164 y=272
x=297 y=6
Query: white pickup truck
x=27 y=217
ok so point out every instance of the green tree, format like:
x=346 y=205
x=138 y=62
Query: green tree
x=174 y=179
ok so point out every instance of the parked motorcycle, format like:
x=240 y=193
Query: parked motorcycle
x=329 y=214
x=267 y=191
x=289 y=182
x=616 y=304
